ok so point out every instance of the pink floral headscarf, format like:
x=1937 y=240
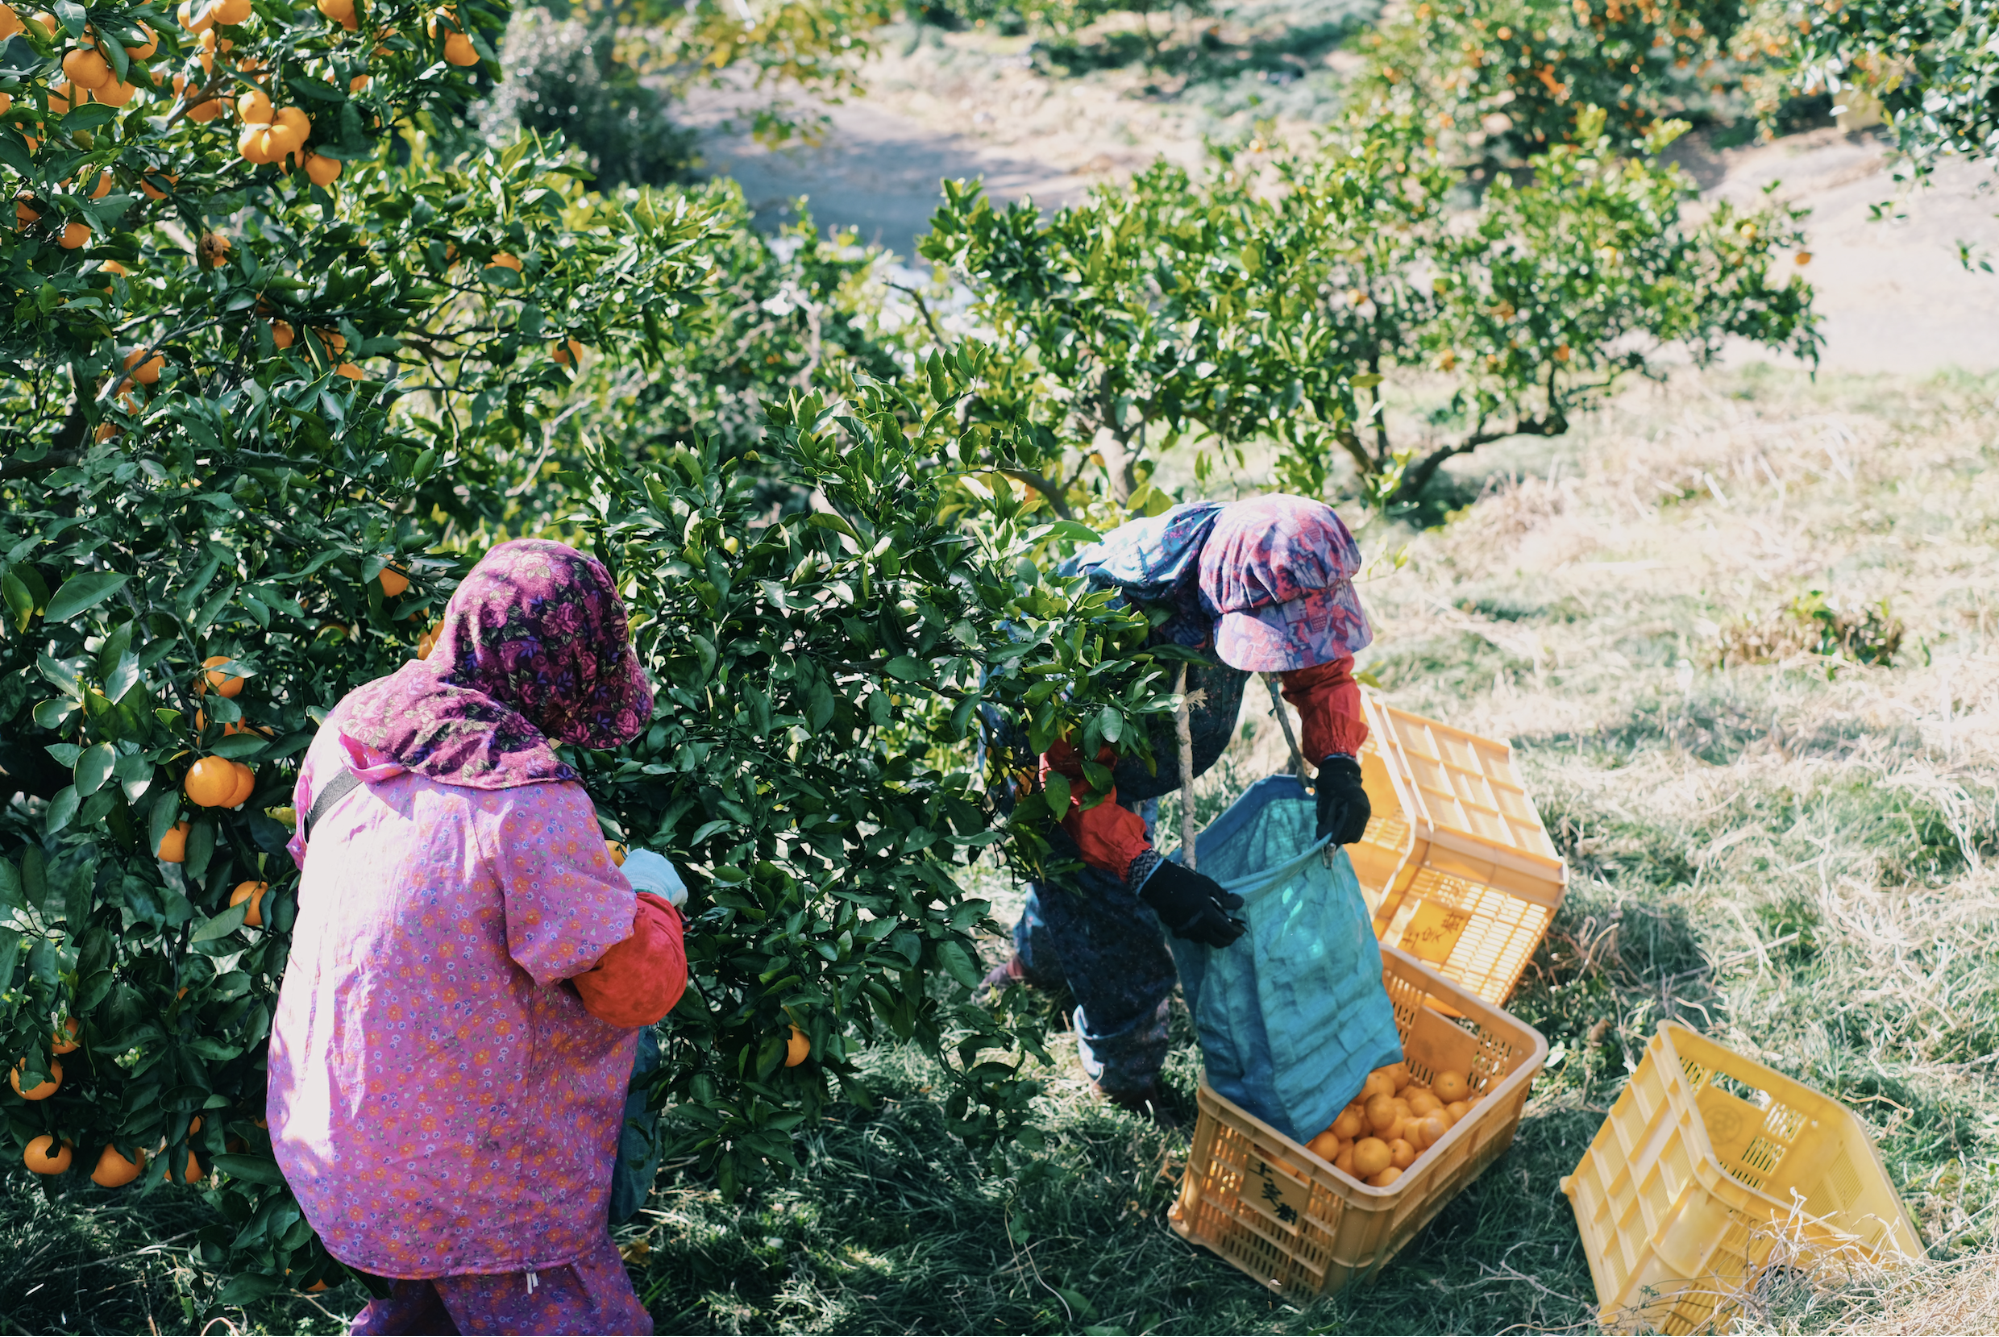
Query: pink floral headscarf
x=535 y=646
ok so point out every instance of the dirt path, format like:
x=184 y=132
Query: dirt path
x=1893 y=294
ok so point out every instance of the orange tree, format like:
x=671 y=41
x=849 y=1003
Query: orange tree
x=259 y=416
x=1277 y=299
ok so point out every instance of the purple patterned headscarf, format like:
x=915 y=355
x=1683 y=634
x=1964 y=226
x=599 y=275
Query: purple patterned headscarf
x=535 y=646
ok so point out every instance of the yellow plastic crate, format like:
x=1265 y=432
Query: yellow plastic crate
x=1304 y=1229
x=1707 y=1161
x=1455 y=864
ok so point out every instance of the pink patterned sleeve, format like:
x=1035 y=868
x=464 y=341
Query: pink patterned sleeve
x=566 y=902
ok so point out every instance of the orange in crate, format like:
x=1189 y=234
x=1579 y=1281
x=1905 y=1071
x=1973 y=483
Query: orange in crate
x=1707 y=1163
x=1287 y=1218
x=1454 y=864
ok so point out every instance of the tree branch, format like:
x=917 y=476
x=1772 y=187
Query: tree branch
x=1418 y=477
x=55 y=459
x=1048 y=490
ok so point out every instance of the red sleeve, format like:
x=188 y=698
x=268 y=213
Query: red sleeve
x=1110 y=837
x=1328 y=702
x=638 y=981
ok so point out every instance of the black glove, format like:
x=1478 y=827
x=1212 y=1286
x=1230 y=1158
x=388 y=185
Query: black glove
x=1193 y=907
x=1343 y=806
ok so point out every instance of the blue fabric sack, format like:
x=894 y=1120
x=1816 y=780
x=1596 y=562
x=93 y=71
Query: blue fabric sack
x=1293 y=1016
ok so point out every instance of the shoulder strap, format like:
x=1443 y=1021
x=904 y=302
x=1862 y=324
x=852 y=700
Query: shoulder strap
x=336 y=789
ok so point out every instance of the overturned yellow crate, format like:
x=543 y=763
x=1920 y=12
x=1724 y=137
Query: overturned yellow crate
x=1711 y=1172
x=1455 y=864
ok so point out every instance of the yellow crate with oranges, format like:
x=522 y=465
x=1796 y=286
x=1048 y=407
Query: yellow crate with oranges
x=1455 y=864
x=1302 y=1218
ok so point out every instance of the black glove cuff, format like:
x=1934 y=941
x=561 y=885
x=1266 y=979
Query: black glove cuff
x=1340 y=764
x=1140 y=868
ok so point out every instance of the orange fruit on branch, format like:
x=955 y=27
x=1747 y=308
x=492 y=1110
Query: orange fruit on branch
x=254 y=106
x=114 y=1171
x=226 y=683
x=458 y=50
x=322 y=170
x=173 y=845
x=616 y=851
x=252 y=892
x=146 y=366
x=115 y=94
x=75 y=236
x=210 y=782
x=152 y=44
x=246 y=784
x=213 y=251
x=40 y=1090
x=566 y=352
x=232 y=12
x=796 y=1049
x=45 y=1158
x=64 y=1041
x=86 y=69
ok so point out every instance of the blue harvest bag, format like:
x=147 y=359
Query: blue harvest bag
x=1293 y=1017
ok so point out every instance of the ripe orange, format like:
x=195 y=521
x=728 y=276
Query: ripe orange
x=1371 y=1156
x=1379 y=1083
x=103 y=186
x=114 y=1171
x=41 y=1090
x=1423 y=1101
x=1401 y=1153
x=246 y=784
x=350 y=371
x=173 y=845
x=505 y=260
x=321 y=170
x=1451 y=1086
x=210 y=782
x=1381 y=1113
x=148 y=178
x=337 y=10
x=1457 y=1109
x=1344 y=1161
x=289 y=128
x=1351 y=1124
x=252 y=892
x=195 y=18
x=566 y=352
x=282 y=334
x=254 y=106
x=213 y=251
x=797 y=1049
x=232 y=11
x=1398 y=1073
x=1386 y=1177
x=1325 y=1146
x=458 y=49
x=357 y=83
x=86 y=69
x=64 y=1041
x=145 y=365
x=152 y=44
x=75 y=236
x=44 y=1158
x=393 y=581
x=616 y=851
x=188 y=1176
x=226 y=683
x=10 y=23
x=108 y=432
x=115 y=94
x=1432 y=1128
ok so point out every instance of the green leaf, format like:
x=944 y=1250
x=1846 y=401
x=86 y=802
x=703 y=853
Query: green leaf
x=1074 y=530
x=61 y=809
x=19 y=602
x=908 y=669
x=239 y=745
x=81 y=592
x=94 y=767
x=1110 y=724
x=90 y=116
x=958 y=964
x=1057 y=787
x=222 y=925
x=247 y=1287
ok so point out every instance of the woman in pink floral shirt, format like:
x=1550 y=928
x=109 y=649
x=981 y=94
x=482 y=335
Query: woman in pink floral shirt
x=455 y=1034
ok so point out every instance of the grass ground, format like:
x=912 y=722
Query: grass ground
x=1789 y=851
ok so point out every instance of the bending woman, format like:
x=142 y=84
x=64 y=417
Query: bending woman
x=456 y=1029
